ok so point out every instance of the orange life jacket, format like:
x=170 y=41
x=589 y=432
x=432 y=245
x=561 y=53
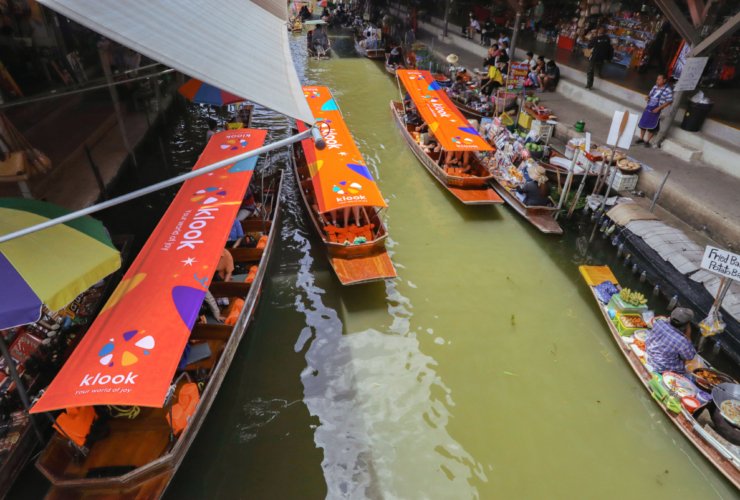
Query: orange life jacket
x=75 y=423
x=187 y=402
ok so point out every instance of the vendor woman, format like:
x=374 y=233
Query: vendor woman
x=668 y=346
x=659 y=98
x=534 y=192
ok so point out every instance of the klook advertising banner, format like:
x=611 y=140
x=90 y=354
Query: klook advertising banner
x=130 y=353
x=446 y=122
x=339 y=174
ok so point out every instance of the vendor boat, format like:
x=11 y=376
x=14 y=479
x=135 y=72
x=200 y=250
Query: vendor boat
x=541 y=217
x=454 y=134
x=698 y=426
x=377 y=53
x=341 y=197
x=390 y=68
x=146 y=362
x=469 y=111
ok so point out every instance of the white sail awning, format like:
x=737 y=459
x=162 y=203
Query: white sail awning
x=240 y=46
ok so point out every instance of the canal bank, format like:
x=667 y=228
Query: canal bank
x=703 y=196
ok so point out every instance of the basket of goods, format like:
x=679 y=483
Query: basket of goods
x=628 y=323
x=628 y=166
x=627 y=301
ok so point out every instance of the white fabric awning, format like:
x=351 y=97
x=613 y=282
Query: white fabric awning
x=240 y=46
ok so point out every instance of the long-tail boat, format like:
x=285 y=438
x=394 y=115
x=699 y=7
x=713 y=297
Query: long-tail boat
x=149 y=368
x=700 y=426
x=341 y=197
x=453 y=132
x=376 y=53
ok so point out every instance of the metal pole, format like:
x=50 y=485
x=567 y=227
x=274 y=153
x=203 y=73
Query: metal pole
x=660 y=190
x=579 y=191
x=608 y=187
x=105 y=62
x=446 y=18
x=20 y=102
x=96 y=173
x=515 y=32
x=161 y=185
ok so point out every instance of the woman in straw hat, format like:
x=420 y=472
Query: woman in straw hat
x=534 y=192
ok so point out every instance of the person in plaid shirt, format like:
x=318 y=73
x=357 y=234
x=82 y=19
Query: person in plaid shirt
x=669 y=345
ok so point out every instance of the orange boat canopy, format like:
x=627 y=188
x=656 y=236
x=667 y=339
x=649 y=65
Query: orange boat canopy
x=338 y=172
x=130 y=353
x=446 y=122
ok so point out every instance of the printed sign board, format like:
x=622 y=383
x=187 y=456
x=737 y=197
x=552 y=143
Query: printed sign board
x=517 y=76
x=721 y=262
x=691 y=73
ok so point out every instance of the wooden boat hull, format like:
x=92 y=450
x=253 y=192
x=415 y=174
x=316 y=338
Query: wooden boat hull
x=377 y=54
x=684 y=421
x=468 y=190
x=151 y=479
x=540 y=217
x=352 y=264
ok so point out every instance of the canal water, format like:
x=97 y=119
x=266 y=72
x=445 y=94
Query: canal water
x=483 y=371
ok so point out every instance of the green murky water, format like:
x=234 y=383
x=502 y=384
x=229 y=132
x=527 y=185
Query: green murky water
x=483 y=371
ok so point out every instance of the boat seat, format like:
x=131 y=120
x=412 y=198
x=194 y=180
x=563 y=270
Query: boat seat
x=246 y=254
x=211 y=331
x=229 y=288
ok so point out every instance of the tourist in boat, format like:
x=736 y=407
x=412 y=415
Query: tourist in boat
x=248 y=206
x=534 y=192
x=320 y=41
x=668 y=346
x=659 y=98
x=395 y=59
x=458 y=159
x=412 y=116
x=225 y=267
x=236 y=234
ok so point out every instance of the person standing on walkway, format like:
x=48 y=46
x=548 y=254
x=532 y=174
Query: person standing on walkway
x=659 y=98
x=601 y=50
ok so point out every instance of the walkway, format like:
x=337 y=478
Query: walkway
x=696 y=193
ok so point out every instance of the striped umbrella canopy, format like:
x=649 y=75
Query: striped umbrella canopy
x=204 y=93
x=49 y=267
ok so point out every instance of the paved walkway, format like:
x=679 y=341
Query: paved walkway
x=698 y=194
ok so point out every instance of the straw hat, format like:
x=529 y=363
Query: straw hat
x=452 y=59
x=537 y=173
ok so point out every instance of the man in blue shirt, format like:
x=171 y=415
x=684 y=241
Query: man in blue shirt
x=236 y=234
x=669 y=345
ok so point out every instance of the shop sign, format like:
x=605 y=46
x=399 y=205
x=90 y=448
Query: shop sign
x=691 y=73
x=517 y=76
x=721 y=262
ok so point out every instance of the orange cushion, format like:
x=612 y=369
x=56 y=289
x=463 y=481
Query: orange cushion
x=75 y=423
x=187 y=402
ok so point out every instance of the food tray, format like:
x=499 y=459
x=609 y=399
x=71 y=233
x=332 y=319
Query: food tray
x=628 y=324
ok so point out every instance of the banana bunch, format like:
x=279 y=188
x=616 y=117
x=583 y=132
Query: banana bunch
x=632 y=298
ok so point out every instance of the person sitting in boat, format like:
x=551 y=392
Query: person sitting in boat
x=534 y=192
x=459 y=87
x=668 y=346
x=458 y=159
x=320 y=40
x=395 y=59
x=225 y=267
x=429 y=144
x=494 y=80
x=248 y=206
x=412 y=117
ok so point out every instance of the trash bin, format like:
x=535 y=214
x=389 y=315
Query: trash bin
x=695 y=115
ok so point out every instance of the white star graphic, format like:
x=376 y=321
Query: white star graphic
x=189 y=261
